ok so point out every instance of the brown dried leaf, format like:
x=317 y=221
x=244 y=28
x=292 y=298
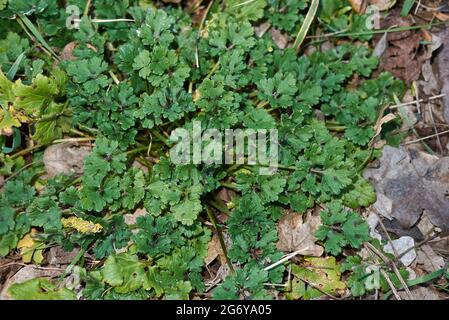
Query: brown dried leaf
x=214 y=250
x=441 y=16
x=296 y=234
x=280 y=39
x=404 y=55
x=67 y=52
x=359 y=6
x=383 y=4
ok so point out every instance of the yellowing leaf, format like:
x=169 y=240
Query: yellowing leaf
x=32 y=99
x=30 y=248
x=81 y=225
x=316 y=273
x=6 y=94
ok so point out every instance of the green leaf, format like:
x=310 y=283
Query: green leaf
x=53 y=124
x=246 y=10
x=39 y=289
x=7 y=243
x=44 y=212
x=363 y=195
x=341 y=228
x=125 y=273
x=7 y=215
x=34 y=98
x=335 y=180
x=356 y=230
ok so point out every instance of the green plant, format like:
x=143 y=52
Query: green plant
x=128 y=85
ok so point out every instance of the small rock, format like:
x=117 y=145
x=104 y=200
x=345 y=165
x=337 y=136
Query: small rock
x=64 y=158
x=402 y=245
x=373 y=221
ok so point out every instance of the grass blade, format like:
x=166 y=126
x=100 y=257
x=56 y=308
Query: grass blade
x=38 y=35
x=306 y=25
x=408 y=4
x=12 y=72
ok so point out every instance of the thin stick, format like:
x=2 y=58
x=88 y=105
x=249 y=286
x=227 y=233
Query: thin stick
x=318 y=288
x=286 y=258
x=21 y=169
x=432 y=118
x=25 y=151
x=29 y=265
x=87 y=7
x=74 y=140
x=390 y=283
x=106 y=20
x=397 y=29
x=395 y=268
x=220 y=238
x=405 y=104
x=425 y=138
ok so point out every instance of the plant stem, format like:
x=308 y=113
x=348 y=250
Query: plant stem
x=160 y=137
x=27 y=150
x=74 y=140
x=220 y=237
x=229 y=186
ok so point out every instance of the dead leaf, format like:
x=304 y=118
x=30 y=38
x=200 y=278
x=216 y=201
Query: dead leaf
x=280 y=39
x=414 y=181
x=383 y=4
x=404 y=55
x=132 y=218
x=359 y=6
x=226 y=195
x=214 y=250
x=429 y=260
x=381 y=46
x=64 y=158
x=67 y=52
x=260 y=30
x=378 y=127
x=321 y=273
x=443 y=70
x=296 y=234
x=441 y=16
x=57 y=256
x=421 y=293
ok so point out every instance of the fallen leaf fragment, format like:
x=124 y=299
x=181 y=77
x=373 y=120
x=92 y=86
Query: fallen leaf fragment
x=214 y=250
x=429 y=260
x=295 y=234
x=383 y=4
x=359 y=6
